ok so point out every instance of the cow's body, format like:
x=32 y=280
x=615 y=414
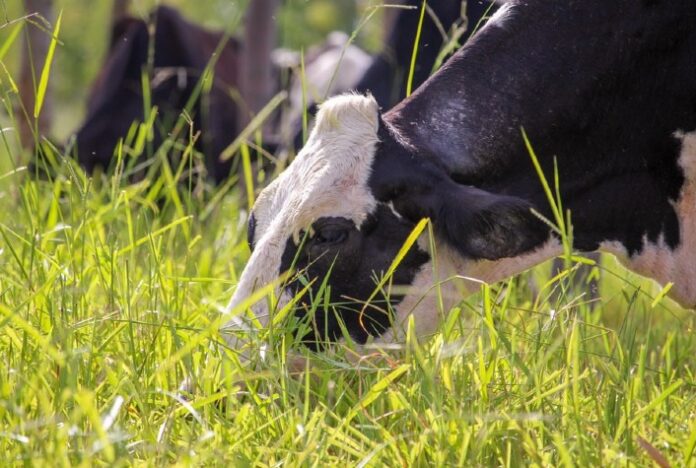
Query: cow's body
x=607 y=89
x=612 y=108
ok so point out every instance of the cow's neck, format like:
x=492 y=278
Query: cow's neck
x=654 y=258
x=608 y=116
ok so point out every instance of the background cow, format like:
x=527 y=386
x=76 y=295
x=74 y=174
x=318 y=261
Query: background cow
x=606 y=90
x=385 y=75
x=182 y=50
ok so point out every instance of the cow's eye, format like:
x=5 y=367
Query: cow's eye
x=330 y=235
x=330 y=231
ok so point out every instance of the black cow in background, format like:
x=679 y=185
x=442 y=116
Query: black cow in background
x=386 y=78
x=182 y=50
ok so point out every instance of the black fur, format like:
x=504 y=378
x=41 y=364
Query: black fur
x=354 y=266
x=600 y=86
x=477 y=223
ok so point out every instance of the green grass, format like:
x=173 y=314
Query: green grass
x=110 y=296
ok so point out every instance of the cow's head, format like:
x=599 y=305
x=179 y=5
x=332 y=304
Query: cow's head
x=342 y=210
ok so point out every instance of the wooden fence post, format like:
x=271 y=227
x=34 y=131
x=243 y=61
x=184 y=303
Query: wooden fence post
x=256 y=80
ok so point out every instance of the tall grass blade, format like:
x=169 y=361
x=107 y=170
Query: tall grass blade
x=7 y=43
x=255 y=123
x=248 y=176
x=46 y=71
x=378 y=389
x=690 y=447
x=414 y=54
x=408 y=243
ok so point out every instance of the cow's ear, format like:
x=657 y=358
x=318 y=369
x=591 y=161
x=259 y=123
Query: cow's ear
x=126 y=57
x=477 y=223
x=120 y=29
x=485 y=225
x=178 y=42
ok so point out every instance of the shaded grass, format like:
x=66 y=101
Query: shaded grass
x=110 y=296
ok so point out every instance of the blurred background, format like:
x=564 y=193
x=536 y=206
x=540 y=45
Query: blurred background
x=86 y=26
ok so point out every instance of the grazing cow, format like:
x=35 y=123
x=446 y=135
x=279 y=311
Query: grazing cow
x=607 y=90
x=182 y=50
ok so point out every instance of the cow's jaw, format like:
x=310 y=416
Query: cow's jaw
x=443 y=283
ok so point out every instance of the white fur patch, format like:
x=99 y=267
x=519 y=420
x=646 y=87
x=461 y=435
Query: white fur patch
x=657 y=260
x=328 y=177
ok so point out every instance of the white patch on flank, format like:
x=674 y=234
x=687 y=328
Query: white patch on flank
x=328 y=177
x=657 y=260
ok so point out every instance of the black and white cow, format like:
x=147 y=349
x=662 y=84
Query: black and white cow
x=606 y=88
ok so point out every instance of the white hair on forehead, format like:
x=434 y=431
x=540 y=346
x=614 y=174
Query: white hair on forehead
x=329 y=177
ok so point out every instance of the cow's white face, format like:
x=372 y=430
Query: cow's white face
x=329 y=216
x=320 y=215
x=327 y=178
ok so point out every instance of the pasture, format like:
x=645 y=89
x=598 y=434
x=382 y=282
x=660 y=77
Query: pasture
x=111 y=292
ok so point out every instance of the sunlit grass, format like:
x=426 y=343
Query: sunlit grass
x=110 y=300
